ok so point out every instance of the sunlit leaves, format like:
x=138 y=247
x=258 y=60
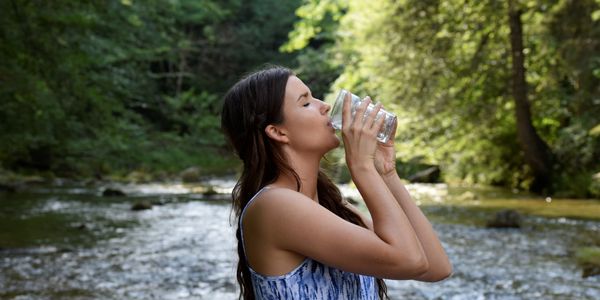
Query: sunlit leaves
x=316 y=17
x=443 y=66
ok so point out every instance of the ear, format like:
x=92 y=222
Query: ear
x=276 y=133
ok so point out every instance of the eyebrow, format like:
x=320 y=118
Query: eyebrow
x=303 y=95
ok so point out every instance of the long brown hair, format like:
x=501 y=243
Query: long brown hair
x=249 y=106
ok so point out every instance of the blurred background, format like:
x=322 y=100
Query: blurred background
x=114 y=174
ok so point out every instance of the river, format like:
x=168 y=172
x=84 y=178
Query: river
x=68 y=242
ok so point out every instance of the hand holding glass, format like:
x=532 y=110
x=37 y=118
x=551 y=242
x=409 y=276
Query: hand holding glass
x=336 y=115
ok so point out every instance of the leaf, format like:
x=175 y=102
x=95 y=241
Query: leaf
x=596 y=15
x=595 y=131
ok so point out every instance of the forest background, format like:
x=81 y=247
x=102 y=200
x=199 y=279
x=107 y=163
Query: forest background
x=493 y=92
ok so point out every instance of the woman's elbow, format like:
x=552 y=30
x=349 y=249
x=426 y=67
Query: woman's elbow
x=446 y=272
x=437 y=274
x=421 y=265
x=410 y=267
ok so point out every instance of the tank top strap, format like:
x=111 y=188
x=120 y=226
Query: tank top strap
x=242 y=217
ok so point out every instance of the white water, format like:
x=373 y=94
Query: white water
x=185 y=249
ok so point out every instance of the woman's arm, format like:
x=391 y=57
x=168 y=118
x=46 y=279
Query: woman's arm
x=388 y=217
x=290 y=221
x=439 y=264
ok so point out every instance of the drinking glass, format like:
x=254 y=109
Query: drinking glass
x=336 y=115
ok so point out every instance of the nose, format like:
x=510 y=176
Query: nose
x=325 y=108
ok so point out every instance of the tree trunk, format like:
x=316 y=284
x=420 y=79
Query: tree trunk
x=537 y=153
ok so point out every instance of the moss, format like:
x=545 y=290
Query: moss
x=530 y=204
x=588 y=258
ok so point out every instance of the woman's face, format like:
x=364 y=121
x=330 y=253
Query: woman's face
x=306 y=120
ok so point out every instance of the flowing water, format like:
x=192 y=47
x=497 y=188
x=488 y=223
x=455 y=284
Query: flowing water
x=68 y=242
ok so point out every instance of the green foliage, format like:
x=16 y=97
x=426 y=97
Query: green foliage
x=594 y=188
x=313 y=38
x=443 y=66
x=318 y=70
x=590 y=255
x=96 y=87
x=107 y=87
x=419 y=58
x=318 y=23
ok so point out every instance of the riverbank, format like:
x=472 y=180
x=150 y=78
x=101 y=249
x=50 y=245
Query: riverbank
x=68 y=241
x=477 y=198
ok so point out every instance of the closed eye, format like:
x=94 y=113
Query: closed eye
x=306 y=104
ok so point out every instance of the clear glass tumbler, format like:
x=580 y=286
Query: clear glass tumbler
x=336 y=115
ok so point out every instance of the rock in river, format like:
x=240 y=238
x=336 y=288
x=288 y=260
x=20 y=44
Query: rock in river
x=191 y=174
x=141 y=205
x=508 y=218
x=110 y=192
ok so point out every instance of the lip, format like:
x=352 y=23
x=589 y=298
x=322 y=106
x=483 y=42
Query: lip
x=330 y=125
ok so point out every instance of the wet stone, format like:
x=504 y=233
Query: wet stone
x=588 y=258
x=9 y=188
x=110 y=192
x=507 y=218
x=191 y=174
x=142 y=205
x=210 y=191
x=590 y=270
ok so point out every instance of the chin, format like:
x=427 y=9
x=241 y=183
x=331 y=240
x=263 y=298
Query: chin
x=336 y=142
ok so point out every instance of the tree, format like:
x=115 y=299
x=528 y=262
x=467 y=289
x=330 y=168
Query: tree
x=446 y=68
x=89 y=88
x=537 y=154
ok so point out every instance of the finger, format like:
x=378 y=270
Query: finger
x=359 y=116
x=379 y=123
x=372 y=117
x=347 y=110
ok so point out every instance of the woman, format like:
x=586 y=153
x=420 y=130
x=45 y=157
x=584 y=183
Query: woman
x=297 y=238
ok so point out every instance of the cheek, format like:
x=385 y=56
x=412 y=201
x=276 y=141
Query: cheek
x=313 y=137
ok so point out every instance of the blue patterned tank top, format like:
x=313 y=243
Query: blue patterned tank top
x=310 y=280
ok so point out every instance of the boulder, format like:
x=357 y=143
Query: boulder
x=508 y=218
x=8 y=188
x=588 y=258
x=111 y=192
x=191 y=174
x=81 y=226
x=141 y=205
x=429 y=175
x=209 y=191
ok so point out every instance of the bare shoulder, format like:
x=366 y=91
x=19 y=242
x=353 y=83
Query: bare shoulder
x=282 y=207
x=286 y=221
x=266 y=223
x=275 y=202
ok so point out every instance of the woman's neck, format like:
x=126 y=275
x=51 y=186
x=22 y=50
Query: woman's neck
x=308 y=171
